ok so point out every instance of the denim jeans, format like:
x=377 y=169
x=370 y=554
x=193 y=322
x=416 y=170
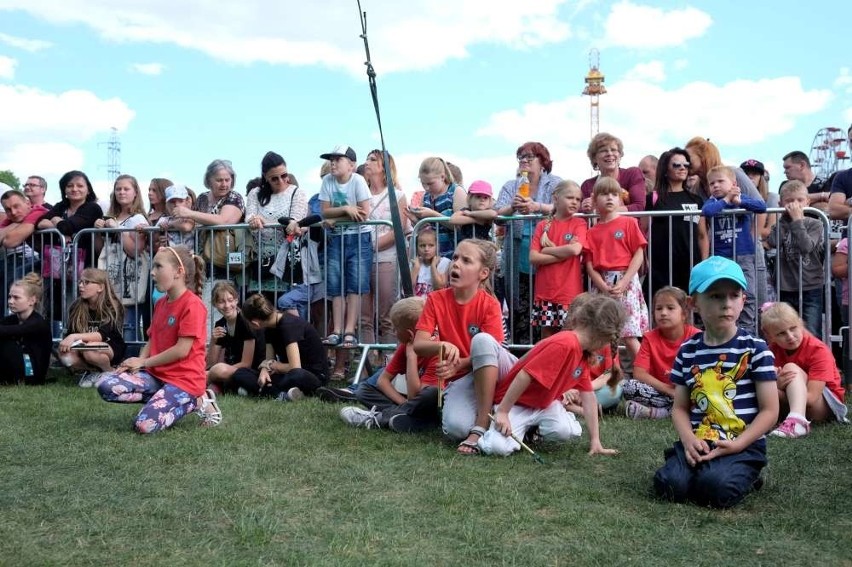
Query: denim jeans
x=813 y=304
x=350 y=257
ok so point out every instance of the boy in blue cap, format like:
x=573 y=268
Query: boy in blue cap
x=725 y=397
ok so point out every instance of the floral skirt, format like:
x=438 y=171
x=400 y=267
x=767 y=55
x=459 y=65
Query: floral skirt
x=636 y=324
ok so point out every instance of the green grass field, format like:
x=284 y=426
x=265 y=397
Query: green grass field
x=291 y=484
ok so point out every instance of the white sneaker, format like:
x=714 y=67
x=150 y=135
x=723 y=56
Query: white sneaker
x=357 y=417
x=89 y=379
x=295 y=394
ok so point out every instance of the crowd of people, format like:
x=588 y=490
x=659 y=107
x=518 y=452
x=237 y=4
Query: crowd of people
x=517 y=326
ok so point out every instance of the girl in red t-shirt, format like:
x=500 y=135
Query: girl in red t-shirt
x=650 y=393
x=615 y=250
x=168 y=376
x=555 y=252
x=468 y=322
x=531 y=394
x=808 y=380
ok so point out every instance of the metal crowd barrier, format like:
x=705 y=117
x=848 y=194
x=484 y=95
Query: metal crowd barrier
x=250 y=276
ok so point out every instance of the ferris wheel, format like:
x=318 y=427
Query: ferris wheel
x=829 y=151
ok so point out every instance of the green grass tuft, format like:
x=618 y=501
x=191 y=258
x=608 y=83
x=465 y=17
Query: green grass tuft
x=292 y=484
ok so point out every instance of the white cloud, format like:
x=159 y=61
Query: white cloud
x=42 y=131
x=416 y=34
x=148 y=68
x=23 y=43
x=652 y=71
x=650 y=119
x=844 y=80
x=634 y=26
x=7 y=67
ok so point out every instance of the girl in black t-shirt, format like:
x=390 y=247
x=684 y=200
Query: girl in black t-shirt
x=300 y=363
x=95 y=323
x=235 y=345
x=25 y=338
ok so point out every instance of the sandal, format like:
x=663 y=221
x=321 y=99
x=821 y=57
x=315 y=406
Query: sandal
x=208 y=410
x=350 y=340
x=332 y=340
x=471 y=448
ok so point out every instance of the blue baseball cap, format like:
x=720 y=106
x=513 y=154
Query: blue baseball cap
x=713 y=269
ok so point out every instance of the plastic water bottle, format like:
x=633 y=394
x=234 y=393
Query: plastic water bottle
x=524 y=187
x=28 y=366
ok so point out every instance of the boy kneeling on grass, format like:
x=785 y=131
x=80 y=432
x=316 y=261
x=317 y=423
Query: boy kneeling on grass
x=531 y=394
x=725 y=397
x=390 y=409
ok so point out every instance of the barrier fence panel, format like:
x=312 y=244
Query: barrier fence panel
x=296 y=277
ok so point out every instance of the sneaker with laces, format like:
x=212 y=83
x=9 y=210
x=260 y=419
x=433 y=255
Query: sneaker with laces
x=357 y=417
x=295 y=394
x=334 y=395
x=89 y=379
x=208 y=409
x=792 y=428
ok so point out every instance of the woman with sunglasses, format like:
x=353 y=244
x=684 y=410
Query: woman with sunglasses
x=676 y=242
x=277 y=197
x=605 y=152
x=534 y=160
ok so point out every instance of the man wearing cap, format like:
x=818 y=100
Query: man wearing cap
x=15 y=229
x=476 y=218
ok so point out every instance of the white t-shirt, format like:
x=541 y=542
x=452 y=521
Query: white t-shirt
x=424 y=277
x=347 y=194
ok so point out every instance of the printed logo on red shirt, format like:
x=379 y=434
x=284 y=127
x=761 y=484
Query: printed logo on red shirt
x=569 y=237
x=171 y=321
x=578 y=372
x=619 y=234
x=473 y=330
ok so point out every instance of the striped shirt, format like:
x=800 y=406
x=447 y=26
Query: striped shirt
x=721 y=382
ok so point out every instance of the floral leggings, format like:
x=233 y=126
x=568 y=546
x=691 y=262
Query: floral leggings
x=165 y=404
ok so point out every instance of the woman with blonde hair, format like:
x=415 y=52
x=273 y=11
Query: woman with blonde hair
x=605 y=152
x=25 y=338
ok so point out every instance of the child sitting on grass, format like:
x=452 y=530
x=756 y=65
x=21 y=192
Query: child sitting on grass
x=530 y=395
x=604 y=371
x=234 y=343
x=168 y=375
x=418 y=409
x=650 y=393
x=25 y=339
x=725 y=397
x=95 y=318
x=809 y=386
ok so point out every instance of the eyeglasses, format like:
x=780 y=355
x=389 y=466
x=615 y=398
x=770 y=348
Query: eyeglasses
x=274 y=178
x=527 y=157
x=86 y=282
x=680 y=165
x=31 y=185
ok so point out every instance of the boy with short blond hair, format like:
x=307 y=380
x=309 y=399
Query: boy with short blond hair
x=418 y=409
x=801 y=252
x=732 y=234
x=725 y=398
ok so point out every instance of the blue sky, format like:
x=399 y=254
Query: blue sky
x=468 y=80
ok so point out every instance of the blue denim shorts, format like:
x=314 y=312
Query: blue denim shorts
x=353 y=255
